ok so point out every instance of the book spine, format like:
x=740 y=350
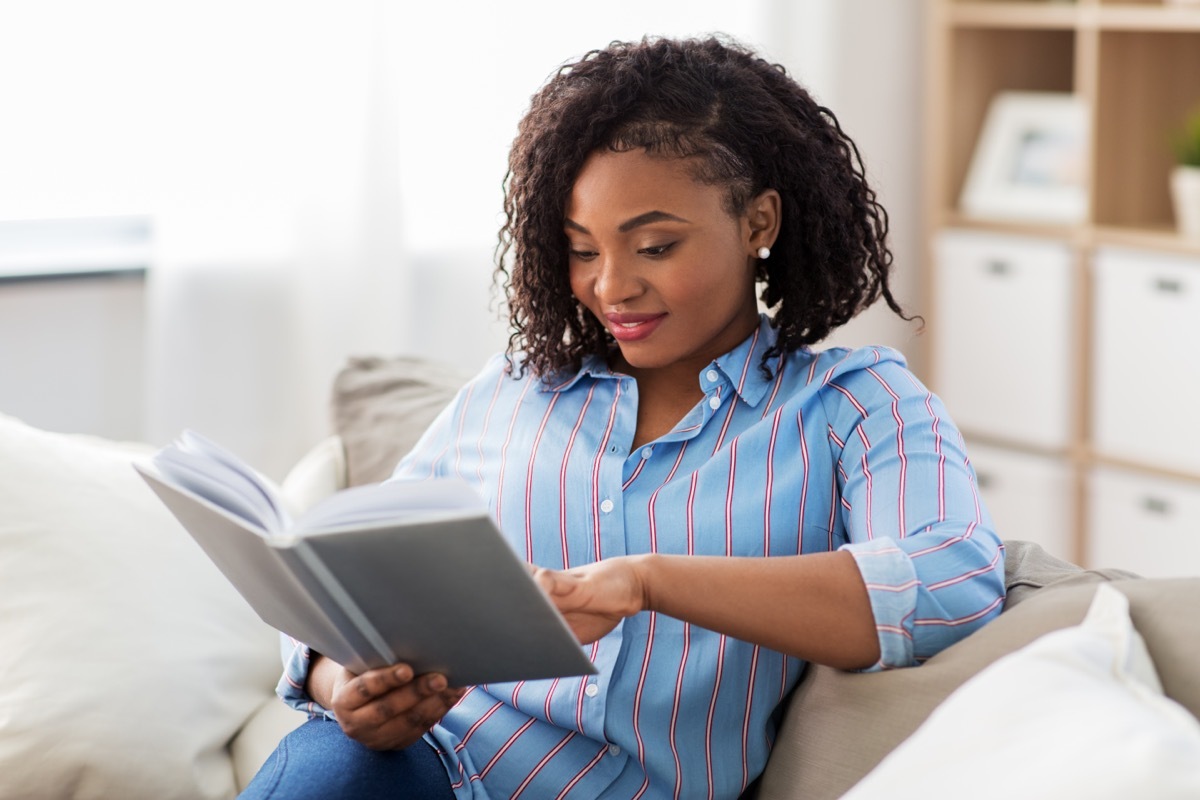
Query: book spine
x=344 y=601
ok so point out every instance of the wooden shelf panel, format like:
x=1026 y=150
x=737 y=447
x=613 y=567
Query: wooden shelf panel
x=1139 y=466
x=1152 y=15
x=1076 y=235
x=1162 y=238
x=1028 y=15
x=1145 y=17
x=1151 y=81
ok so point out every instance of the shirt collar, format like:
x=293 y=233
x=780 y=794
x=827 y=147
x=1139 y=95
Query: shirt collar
x=593 y=367
x=740 y=366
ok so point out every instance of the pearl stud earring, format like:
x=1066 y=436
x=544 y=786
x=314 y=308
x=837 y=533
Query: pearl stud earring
x=764 y=253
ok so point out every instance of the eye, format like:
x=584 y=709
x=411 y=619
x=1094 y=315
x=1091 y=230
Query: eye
x=583 y=255
x=657 y=250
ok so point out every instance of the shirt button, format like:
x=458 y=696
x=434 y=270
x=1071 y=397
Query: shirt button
x=647 y=452
x=612 y=448
x=712 y=375
x=714 y=403
x=614 y=750
x=606 y=505
x=591 y=690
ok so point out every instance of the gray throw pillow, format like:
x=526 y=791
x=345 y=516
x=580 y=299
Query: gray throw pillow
x=381 y=406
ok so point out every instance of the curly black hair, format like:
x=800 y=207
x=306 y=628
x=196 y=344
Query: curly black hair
x=752 y=127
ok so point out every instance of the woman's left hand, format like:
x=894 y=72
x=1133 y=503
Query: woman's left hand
x=595 y=598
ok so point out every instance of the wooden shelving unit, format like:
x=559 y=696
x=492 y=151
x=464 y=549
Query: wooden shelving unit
x=1136 y=65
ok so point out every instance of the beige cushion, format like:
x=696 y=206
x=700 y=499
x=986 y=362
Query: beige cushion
x=317 y=475
x=127 y=663
x=1078 y=713
x=839 y=725
x=381 y=406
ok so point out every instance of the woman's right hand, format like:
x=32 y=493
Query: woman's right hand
x=387 y=708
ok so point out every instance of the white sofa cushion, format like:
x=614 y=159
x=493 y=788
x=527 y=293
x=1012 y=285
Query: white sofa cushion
x=127 y=663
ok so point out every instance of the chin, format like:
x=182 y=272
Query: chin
x=646 y=358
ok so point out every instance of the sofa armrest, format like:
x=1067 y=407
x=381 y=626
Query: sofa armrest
x=320 y=473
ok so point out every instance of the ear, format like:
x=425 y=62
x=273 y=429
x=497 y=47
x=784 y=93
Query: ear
x=763 y=220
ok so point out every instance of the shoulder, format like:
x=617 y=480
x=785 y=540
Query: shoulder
x=839 y=366
x=861 y=379
x=503 y=371
x=504 y=380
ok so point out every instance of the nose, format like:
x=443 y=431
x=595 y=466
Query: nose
x=617 y=280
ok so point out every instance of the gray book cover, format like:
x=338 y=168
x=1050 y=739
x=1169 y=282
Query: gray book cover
x=442 y=592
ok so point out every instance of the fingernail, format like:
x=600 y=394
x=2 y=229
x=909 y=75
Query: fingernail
x=403 y=673
x=437 y=683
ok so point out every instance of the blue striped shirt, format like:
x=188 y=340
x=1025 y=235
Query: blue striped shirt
x=841 y=449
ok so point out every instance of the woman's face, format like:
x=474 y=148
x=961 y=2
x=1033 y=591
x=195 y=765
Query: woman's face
x=655 y=255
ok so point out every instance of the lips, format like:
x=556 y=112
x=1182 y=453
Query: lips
x=633 y=327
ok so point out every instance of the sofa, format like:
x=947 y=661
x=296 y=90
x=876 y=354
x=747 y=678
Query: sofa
x=130 y=669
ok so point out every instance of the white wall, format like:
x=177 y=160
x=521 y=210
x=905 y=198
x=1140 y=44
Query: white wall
x=71 y=354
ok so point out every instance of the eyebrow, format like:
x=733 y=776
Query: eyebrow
x=629 y=224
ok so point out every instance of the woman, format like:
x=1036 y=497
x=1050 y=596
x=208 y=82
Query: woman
x=650 y=437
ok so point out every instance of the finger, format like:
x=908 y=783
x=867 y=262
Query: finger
x=402 y=699
x=555 y=584
x=542 y=577
x=432 y=683
x=399 y=730
x=374 y=684
x=416 y=705
x=429 y=710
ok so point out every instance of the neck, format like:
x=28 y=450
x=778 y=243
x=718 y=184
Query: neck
x=678 y=379
x=665 y=396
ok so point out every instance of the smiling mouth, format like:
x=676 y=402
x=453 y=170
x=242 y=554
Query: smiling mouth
x=632 y=328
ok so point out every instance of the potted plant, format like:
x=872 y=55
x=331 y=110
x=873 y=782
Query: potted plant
x=1185 y=177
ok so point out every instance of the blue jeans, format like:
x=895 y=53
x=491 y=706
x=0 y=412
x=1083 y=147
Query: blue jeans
x=317 y=760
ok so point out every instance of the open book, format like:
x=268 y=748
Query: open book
x=374 y=575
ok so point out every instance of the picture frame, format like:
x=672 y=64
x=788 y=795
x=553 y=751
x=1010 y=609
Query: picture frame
x=1030 y=163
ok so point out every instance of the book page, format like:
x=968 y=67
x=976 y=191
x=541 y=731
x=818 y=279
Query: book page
x=210 y=471
x=393 y=501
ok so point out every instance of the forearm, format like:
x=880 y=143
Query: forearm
x=321 y=677
x=814 y=607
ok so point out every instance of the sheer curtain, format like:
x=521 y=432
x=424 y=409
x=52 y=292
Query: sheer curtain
x=280 y=240
x=261 y=138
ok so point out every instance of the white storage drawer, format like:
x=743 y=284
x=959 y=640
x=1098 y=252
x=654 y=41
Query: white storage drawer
x=1146 y=378
x=1143 y=523
x=1005 y=328
x=1030 y=497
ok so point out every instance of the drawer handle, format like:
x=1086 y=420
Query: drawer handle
x=1168 y=285
x=1156 y=505
x=998 y=268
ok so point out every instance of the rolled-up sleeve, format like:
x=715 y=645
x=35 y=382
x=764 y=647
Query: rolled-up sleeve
x=297 y=661
x=924 y=543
